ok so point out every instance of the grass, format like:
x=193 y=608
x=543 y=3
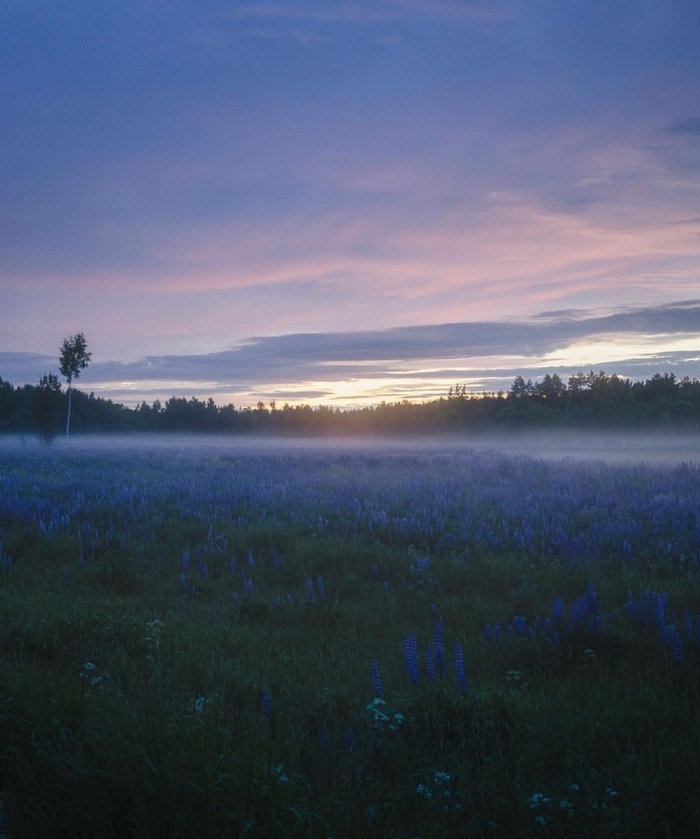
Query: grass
x=171 y=668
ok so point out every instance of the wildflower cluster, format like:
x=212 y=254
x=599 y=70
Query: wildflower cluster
x=440 y=793
x=200 y=705
x=90 y=675
x=380 y=719
x=548 y=809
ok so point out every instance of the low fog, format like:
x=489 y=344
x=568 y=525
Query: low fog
x=560 y=445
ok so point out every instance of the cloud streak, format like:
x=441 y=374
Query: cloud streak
x=424 y=356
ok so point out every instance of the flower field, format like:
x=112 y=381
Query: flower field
x=348 y=642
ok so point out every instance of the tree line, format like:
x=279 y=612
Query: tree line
x=586 y=400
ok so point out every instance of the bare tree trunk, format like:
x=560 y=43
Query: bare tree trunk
x=70 y=394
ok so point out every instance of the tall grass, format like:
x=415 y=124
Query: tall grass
x=347 y=644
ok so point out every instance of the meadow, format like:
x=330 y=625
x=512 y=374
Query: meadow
x=347 y=641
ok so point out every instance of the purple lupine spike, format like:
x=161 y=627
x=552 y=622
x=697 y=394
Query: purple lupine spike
x=459 y=669
x=592 y=599
x=410 y=652
x=350 y=738
x=309 y=589
x=185 y=560
x=660 y=612
x=497 y=631
x=266 y=705
x=321 y=588
x=439 y=650
x=376 y=680
x=558 y=610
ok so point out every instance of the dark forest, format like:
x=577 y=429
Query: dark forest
x=587 y=400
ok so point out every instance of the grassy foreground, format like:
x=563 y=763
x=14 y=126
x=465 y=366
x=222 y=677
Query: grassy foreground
x=347 y=644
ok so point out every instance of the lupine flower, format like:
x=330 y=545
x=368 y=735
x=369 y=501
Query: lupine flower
x=423 y=564
x=350 y=738
x=309 y=589
x=592 y=597
x=410 y=652
x=688 y=625
x=376 y=681
x=459 y=669
x=321 y=588
x=439 y=650
x=430 y=663
x=266 y=705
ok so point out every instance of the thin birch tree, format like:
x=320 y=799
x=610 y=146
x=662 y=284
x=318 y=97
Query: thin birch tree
x=74 y=358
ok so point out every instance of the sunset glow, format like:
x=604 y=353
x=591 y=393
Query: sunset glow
x=347 y=202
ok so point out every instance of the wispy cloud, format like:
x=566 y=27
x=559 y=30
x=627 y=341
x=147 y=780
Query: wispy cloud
x=296 y=365
x=378 y=10
x=691 y=125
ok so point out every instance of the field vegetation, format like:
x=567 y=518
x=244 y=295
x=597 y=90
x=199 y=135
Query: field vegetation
x=347 y=642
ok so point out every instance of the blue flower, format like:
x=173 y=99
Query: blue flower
x=376 y=681
x=459 y=669
x=266 y=705
x=410 y=652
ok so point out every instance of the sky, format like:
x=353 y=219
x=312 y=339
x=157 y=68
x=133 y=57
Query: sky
x=342 y=203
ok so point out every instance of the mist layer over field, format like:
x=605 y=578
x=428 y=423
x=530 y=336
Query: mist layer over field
x=612 y=447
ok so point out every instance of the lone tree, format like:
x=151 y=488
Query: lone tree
x=74 y=358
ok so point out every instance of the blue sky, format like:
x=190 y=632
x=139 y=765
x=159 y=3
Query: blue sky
x=340 y=203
